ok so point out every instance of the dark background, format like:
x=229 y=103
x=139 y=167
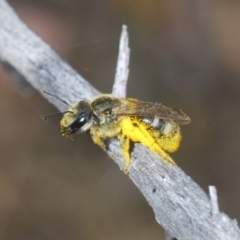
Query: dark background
x=183 y=53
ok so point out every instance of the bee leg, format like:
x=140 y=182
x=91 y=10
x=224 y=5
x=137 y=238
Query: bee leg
x=164 y=156
x=97 y=138
x=126 y=145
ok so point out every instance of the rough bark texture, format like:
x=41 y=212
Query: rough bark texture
x=179 y=204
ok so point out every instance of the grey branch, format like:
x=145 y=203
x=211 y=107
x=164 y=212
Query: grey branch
x=121 y=77
x=179 y=204
x=214 y=200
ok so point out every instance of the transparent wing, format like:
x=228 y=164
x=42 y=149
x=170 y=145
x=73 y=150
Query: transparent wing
x=134 y=107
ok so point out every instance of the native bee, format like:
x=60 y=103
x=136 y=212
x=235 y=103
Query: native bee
x=129 y=120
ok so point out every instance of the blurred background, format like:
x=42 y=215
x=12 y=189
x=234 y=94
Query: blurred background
x=184 y=54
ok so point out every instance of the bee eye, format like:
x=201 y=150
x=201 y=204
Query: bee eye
x=82 y=119
x=85 y=114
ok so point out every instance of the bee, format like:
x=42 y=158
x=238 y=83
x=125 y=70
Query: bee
x=129 y=120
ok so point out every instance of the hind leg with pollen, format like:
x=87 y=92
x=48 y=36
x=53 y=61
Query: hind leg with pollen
x=136 y=131
x=126 y=146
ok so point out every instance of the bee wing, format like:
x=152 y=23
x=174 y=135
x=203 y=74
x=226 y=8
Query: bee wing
x=134 y=107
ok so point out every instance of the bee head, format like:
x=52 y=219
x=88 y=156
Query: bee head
x=77 y=118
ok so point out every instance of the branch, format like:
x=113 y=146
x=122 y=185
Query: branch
x=120 y=82
x=179 y=204
x=214 y=200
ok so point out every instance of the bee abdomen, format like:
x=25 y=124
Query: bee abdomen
x=167 y=128
x=155 y=122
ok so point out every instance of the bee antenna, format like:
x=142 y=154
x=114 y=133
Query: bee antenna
x=54 y=114
x=58 y=98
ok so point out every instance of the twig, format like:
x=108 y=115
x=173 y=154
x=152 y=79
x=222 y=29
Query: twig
x=179 y=204
x=214 y=200
x=121 y=77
